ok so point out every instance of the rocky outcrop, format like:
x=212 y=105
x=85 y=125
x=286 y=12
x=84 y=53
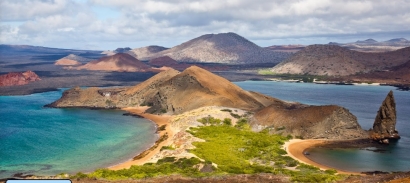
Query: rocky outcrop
x=384 y=127
x=18 y=78
x=309 y=122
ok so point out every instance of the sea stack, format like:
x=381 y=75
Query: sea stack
x=384 y=127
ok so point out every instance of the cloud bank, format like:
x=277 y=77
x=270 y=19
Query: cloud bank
x=107 y=24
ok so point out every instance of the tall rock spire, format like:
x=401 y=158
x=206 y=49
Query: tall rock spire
x=384 y=127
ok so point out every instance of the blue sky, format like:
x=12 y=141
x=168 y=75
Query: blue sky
x=108 y=24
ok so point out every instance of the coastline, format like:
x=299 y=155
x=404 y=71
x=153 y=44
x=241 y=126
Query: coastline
x=296 y=148
x=152 y=151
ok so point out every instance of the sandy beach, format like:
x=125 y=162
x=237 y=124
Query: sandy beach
x=159 y=120
x=296 y=147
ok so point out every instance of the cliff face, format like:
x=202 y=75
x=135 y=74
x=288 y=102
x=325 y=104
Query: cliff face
x=18 y=78
x=310 y=122
x=384 y=127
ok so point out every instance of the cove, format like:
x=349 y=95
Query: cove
x=48 y=141
x=363 y=102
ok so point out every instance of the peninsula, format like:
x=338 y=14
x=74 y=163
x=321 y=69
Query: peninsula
x=184 y=103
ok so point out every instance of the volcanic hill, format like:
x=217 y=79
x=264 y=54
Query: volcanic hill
x=176 y=92
x=333 y=60
x=228 y=48
x=145 y=53
x=71 y=60
x=18 y=78
x=117 y=62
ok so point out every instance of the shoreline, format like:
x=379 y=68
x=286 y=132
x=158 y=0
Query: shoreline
x=147 y=154
x=296 y=148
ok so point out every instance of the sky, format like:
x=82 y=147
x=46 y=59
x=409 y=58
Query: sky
x=109 y=24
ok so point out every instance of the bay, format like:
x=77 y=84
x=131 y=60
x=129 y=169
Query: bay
x=363 y=102
x=49 y=141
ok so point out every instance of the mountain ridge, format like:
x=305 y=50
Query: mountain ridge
x=334 y=60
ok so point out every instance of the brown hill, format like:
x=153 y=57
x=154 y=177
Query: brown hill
x=228 y=48
x=117 y=62
x=170 y=91
x=71 y=60
x=163 y=61
x=175 y=93
x=312 y=122
x=145 y=53
x=18 y=78
x=394 y=75
x=334 y=60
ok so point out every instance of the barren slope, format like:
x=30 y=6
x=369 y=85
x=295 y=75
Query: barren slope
x=334 y=60
x=312 y=122
x=117 y=62
x=71 y=60
x=145 y=53
x=227 y=48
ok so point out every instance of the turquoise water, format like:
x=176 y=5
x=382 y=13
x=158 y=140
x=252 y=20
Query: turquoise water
x=48 y=141
x=363 y=102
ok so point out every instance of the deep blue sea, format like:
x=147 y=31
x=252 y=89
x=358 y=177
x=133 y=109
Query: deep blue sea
x=49 y=141
x=363 y=102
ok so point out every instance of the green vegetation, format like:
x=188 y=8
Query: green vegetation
x=162 y=128
x=166 y=166
x=265 y=72
x=227 y=121
x=209 y=121
x=226 y=110
x=167 y=148
x=235 y=149
x=237 y=116
x=163 y=111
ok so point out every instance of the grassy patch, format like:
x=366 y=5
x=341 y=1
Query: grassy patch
x=236 y=150
x=265 y=72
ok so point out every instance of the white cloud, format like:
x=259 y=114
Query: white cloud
x=170 y=22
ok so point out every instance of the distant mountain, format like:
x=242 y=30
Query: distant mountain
x=122 y=50
x=367 y=41
x=117 y=62
x=371 y=45
x=399 y=74
x=18 y=78
x=398 y=40
x=333 y=60
x=145 y=53
x=286 y=48
x=163 y=61
x=320 y=60
x=126 y=50
x=27 y=49
x=71 y=60
x=228 y=48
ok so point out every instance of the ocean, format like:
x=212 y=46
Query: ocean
x=48 y=141
x=363 y=102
